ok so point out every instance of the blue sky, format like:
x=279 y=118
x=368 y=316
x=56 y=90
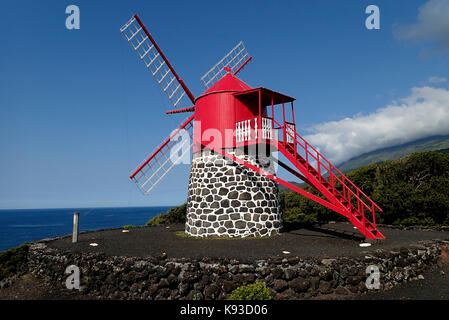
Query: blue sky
x=78 y=111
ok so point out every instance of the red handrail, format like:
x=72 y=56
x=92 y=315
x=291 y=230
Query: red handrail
x=346 y=189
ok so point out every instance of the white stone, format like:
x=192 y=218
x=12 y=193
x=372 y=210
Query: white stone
x=363 y=245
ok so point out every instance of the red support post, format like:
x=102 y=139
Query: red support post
x=332 y=182
x=363 y=217
x=293 y=113
x=358 y=200
x=283 y=117
x=307 y=158
x=319 y=166
x=272 y=118
x=294 y=130
x=349 y=201
x=259 y=119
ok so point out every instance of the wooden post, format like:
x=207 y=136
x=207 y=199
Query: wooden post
x=75 y=227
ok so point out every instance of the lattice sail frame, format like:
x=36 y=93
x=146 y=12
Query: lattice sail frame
x=160 y=163
x=153 y=59
x=234 y=60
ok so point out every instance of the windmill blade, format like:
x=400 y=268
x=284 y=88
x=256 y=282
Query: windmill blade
x=166 y=156
x=235 y=60
x=155 y=61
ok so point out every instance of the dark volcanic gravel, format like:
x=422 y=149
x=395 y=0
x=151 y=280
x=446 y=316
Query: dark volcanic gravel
x=330 y=240
x=434 y=286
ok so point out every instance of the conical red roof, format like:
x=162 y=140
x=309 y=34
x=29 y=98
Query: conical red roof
x=228 y=83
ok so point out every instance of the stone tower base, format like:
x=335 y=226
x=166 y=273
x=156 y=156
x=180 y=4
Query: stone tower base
x=226 y=199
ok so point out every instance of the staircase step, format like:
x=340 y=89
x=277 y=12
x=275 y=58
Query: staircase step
x=357 y=219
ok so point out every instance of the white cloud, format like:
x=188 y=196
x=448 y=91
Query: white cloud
x=423 y=114
x=432 y=25
x=437 y=80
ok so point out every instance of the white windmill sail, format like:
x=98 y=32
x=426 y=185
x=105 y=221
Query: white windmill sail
x=162 y=160
x=235 y=59
x=155 y=61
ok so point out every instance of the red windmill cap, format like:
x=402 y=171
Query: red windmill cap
x=228 y=83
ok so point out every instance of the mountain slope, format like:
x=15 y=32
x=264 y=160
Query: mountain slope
x=435 y=143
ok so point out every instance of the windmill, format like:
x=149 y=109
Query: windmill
x=233 y=131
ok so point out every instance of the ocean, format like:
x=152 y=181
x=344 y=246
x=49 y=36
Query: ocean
x=28 y=225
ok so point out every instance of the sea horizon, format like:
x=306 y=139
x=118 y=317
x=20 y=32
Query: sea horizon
x=18 y=226
x=83 y=208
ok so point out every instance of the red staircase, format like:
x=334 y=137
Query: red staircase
x=346 y=197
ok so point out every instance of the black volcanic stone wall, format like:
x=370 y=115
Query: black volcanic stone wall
x=225 y=199
x=162 y=277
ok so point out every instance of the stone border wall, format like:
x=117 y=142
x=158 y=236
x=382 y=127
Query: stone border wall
x=109 y=277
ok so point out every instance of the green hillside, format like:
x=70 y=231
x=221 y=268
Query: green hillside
x=438 y=143
x=411 y=191
x=285 y=189
x=429 y=144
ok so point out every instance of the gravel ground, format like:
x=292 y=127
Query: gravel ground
x=28 y=287
x=330 y=240
x=434 y=286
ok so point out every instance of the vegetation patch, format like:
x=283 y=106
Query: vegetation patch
x=12 y=260
x=411 y=191
x=174 y=215
x=255 y=291
x=128 y=226
x=182 y=234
